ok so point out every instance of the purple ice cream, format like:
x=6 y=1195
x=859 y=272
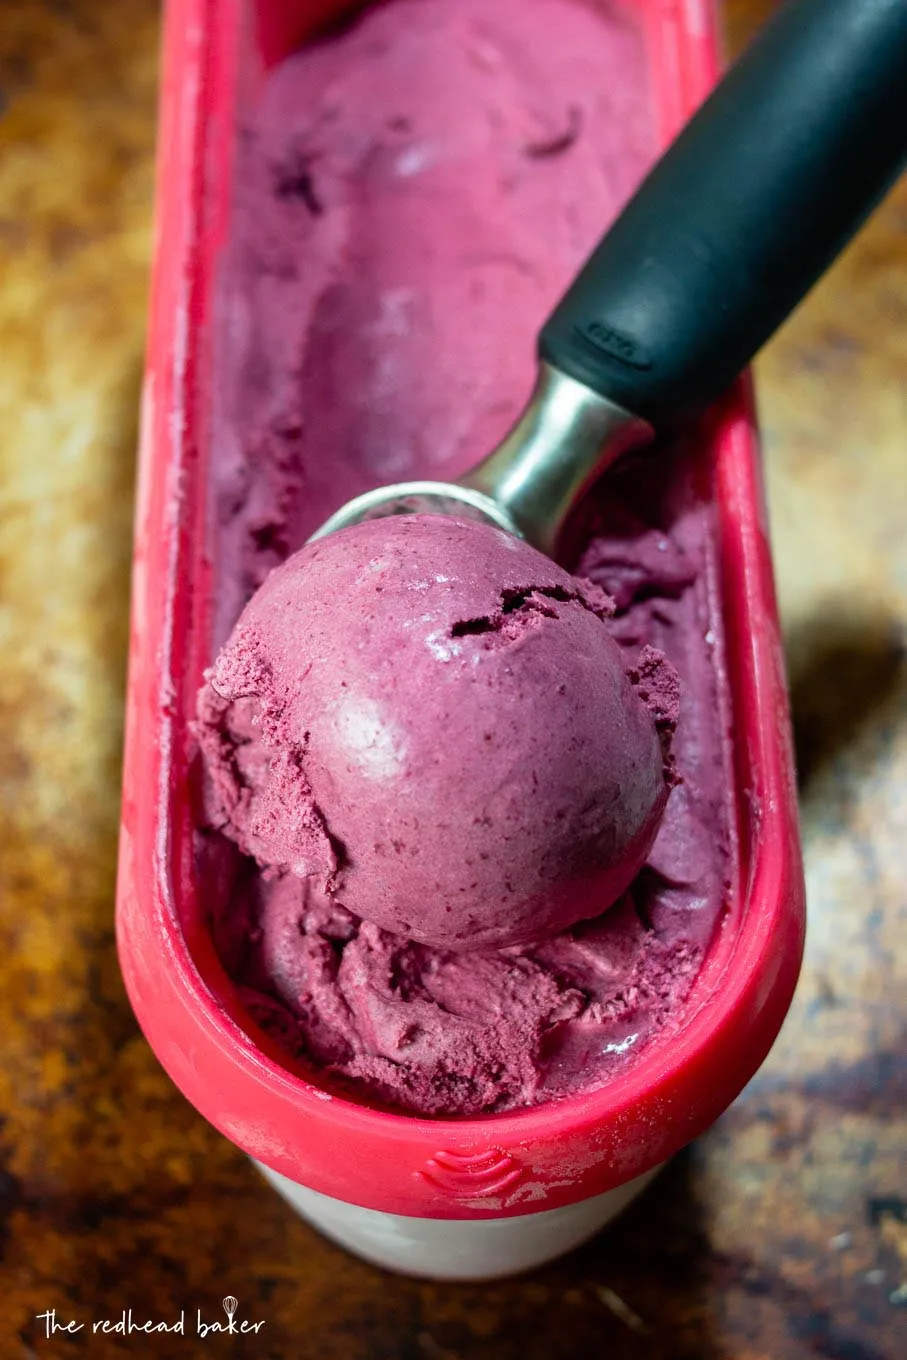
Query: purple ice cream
x=396 y=244
x=430 y=719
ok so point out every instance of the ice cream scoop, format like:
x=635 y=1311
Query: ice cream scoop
x=755 y=198
x=430 y=721
x=428 y=717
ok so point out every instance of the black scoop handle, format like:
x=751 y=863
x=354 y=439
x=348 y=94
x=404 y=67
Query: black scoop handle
x=751 y=203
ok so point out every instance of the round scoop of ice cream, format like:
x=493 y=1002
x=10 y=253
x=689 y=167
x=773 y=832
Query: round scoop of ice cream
x=431 y=719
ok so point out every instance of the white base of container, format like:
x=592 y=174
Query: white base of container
x=456 y=1249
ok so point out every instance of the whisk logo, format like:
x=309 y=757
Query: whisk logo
x=129 y=1322
x=233 y=1325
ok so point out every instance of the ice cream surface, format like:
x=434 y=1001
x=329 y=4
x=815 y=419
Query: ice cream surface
x=430 y=719
x=411 y=196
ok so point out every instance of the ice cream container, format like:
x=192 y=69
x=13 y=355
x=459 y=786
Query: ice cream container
x=447 y=1198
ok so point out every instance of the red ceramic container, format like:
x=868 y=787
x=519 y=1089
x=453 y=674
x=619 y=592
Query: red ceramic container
x=499 y=1167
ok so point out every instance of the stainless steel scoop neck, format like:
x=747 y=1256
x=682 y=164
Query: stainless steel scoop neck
x=563 y=440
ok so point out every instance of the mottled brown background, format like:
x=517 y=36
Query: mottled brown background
x=782 y=1234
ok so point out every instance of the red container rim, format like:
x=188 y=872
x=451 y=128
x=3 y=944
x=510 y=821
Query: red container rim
x=500 y=1165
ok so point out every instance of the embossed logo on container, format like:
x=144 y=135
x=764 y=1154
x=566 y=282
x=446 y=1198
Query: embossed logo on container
x=598 y=336
x=472 y=1175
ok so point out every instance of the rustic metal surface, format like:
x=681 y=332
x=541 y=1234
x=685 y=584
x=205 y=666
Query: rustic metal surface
x=781 y=1235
